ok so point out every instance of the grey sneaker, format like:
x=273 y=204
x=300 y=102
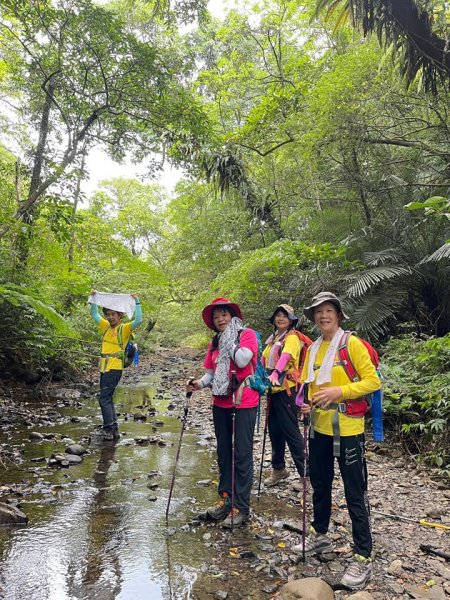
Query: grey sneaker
x=315 y=543
x=277 y=476
x=358 y=573
x=220 y=510
x=239 y=519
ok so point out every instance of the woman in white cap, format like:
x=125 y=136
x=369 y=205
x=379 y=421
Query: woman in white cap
x=281 y=358
x=231 y=357
x=333 y=433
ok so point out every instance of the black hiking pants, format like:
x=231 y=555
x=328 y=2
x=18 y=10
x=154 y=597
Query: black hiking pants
x=352 y=465
x=108 y=384
x=244 y=428
x=284 y=429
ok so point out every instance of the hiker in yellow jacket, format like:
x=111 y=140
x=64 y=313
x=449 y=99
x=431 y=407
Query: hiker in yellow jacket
x=111 y=361
x=281 y=357
x=333 y=432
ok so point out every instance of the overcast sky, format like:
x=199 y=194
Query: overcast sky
x=101 y=167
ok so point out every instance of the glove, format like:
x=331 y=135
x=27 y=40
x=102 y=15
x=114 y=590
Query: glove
x=273 y=378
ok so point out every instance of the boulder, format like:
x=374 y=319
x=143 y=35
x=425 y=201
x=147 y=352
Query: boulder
x=310 y=588
x=10 y=515
x=77 y=449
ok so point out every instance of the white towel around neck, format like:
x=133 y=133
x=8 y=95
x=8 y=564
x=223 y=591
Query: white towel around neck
x=324 y=374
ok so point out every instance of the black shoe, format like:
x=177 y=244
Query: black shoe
x=108 y=434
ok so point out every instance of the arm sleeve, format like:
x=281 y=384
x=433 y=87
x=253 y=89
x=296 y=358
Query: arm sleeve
x=137 y=316
x=368 y=378
x=207 y=378
x=242 y=357
x=95 y=314
x=244 y=351
x=283 y=361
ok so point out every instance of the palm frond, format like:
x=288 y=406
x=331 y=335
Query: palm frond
x=363 y=282
x=374 y=259
x=370 y=317
x=438 y=255
x=18 y=296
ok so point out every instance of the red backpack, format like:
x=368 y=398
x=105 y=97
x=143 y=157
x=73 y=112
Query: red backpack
x=359 y=407
x=295 y=374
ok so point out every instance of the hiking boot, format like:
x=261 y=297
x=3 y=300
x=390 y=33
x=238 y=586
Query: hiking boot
x=108 y=434
x=277 y=475
x=297 y=486
x=358 y=573
x=315 y=543
x=220 y=510
x=116 y=434
x=239 y=518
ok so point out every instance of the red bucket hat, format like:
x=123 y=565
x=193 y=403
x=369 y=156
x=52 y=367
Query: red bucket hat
x=207 y=312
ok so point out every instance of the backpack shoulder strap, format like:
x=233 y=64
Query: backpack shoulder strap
x=120 y=335
x=344 y=356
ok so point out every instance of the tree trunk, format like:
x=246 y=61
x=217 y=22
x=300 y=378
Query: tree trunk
x=24 y=238
x=358 y=176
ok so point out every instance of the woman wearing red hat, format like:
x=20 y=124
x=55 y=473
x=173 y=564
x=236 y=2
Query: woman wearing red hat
x=281 y=356
x=231 y=357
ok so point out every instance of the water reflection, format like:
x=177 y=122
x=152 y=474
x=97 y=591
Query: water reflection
x=102 y=577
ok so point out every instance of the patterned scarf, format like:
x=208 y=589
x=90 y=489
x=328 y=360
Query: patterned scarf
x=227 y=340
x=275 y=351
x=324 y=375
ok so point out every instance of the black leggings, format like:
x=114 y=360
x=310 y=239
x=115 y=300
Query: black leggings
x=284 y=429
x=352 y=465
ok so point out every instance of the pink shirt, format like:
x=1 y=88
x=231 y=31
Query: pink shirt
x=250 y=397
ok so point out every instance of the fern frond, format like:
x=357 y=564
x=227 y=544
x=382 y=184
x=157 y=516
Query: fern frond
x=18 y=296
x=372 y=277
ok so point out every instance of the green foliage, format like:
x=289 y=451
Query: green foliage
x=417 y=395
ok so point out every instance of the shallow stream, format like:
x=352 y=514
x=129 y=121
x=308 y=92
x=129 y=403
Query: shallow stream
x=97 y=530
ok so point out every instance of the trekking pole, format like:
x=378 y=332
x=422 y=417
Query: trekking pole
x=266 y=423
x=423 y=522
x=233 y=433
x=305 y=469
x=183 y=425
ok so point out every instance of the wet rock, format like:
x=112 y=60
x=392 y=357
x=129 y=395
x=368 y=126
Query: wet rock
x=152 y=498
x=65 y=460
x=361 y=596
x=153 y=474
x=311 y=588
x=139 y=416
x=36 y=436
x=10 y=515
x=76 y=449
x=221 y=595
x=204 y=482
x=39 y=459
